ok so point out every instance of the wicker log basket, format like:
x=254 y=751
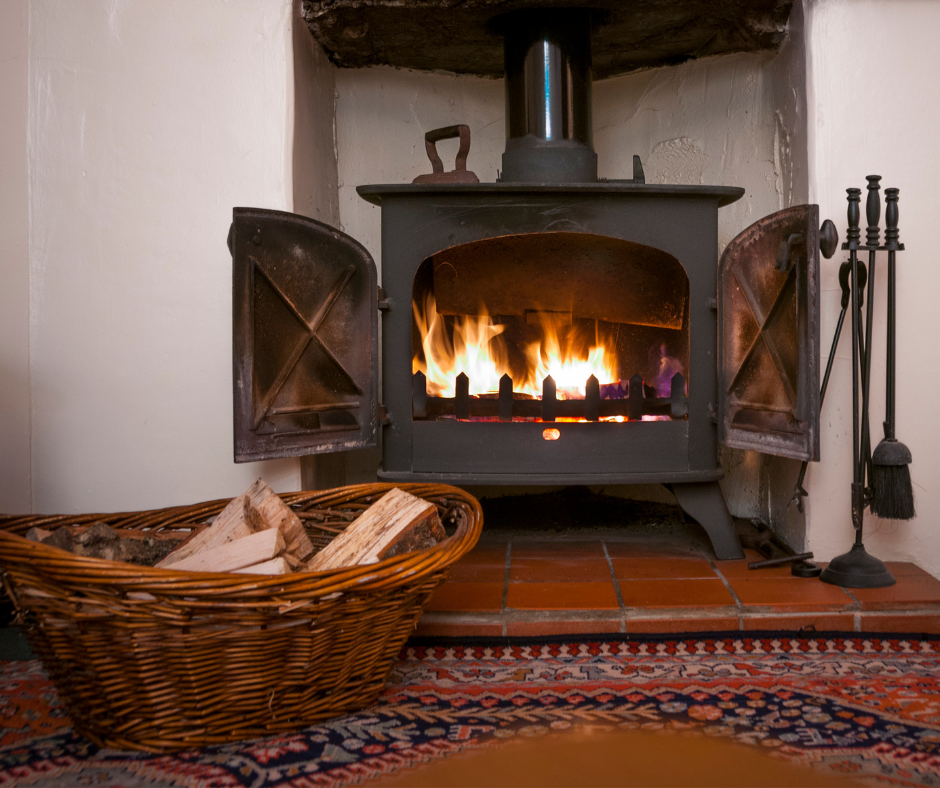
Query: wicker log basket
x=161 y=660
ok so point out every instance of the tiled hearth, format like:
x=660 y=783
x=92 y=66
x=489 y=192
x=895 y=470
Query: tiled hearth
x=660 y=577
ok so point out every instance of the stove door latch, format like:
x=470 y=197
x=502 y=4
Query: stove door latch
x=382 y=299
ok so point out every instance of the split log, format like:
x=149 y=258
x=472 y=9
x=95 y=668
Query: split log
x=231 y=556
x=396 y=523
x=276 y=566
x=235 y=521
x=278 y=514
x=99 y=540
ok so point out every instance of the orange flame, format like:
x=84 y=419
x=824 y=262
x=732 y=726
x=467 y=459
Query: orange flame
x=474 y=348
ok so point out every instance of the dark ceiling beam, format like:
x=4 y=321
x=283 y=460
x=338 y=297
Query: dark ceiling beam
x=457 y=35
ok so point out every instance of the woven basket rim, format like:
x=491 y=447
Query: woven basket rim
x=174 y=582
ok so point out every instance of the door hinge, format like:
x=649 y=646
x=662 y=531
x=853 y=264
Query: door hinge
x=384 y=420
x=382 y=299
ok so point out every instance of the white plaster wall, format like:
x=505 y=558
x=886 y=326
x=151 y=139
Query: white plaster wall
x=874 y=106
x=15 y=495
x=382 y=115
x=148 y=122
x=707 y=121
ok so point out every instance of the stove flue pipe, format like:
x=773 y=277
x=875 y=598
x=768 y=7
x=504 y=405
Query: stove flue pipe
x=549 y=135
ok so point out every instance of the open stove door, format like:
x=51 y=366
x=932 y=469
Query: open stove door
x=305 y=324
x=768 y=354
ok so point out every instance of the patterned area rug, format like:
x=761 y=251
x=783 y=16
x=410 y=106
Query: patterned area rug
x=864 y=706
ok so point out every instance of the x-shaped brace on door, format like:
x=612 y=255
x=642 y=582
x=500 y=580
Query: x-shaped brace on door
x=312 y=327
x=763 y=321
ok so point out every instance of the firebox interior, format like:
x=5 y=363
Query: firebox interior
x=576 y=318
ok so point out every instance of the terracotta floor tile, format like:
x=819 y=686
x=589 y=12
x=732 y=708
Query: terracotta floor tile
x=790 y=594
x=485 y=555
x=547 y=628
x=562 y=596
x=554 y=570
x=456 y=629
x=484 y=564
x=664 y=549
x=675 y=593
x=568 y=550
x=640 y=568
x=457 y=596
x=885 y=622
x=818 y=622
x=476 y=573
x=665 y=625
x=908 y=592
x=906 y=569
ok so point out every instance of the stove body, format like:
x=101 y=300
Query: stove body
x=420 y=221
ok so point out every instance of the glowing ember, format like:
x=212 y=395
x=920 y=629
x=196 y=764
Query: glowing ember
x=473 y=347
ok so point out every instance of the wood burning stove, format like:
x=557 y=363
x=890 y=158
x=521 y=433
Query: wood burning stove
x=545 y=272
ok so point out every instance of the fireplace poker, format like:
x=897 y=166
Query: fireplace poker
x=872 y=233
x=845 y=270
x=893 y=493
x=787 y=559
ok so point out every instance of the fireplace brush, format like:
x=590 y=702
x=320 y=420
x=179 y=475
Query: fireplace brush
x=892 y=491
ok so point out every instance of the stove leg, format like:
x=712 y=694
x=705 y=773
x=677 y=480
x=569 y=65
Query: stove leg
x=705 y=504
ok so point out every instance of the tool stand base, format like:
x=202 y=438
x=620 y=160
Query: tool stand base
x=857 y=569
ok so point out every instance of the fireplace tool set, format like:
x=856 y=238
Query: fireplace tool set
x=888 y=491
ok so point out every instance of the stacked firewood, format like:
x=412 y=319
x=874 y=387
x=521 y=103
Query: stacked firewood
x=257 y=533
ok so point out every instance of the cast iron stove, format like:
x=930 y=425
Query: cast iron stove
x=548 y=259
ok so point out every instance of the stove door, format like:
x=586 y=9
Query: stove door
x=305 y=322
x=768 y=312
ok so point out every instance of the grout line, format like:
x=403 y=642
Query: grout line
x=506 y=575
x=724 y=580
x=613 y=578
x=852 y=597
x=857 y=622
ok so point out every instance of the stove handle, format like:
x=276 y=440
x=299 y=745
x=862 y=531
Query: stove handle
x=448 y=132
